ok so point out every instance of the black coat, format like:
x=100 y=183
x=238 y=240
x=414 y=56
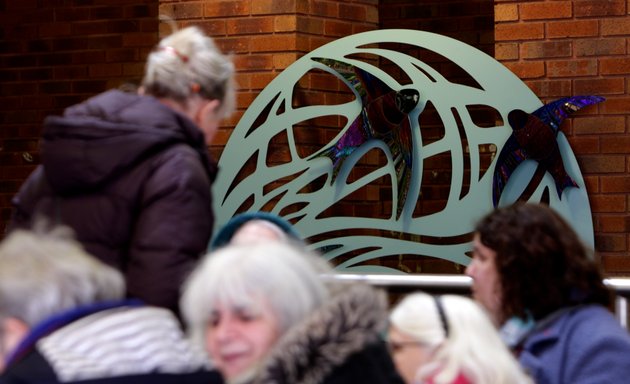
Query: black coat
x=132 y=178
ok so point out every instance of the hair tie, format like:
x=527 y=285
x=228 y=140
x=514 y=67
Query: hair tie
x=174 y=51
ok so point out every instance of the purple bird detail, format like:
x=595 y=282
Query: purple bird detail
x=384 y=116
x=534 y=137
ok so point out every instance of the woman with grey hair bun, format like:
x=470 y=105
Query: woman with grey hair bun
x=188 y=73
x=131 y=174
x=64 y=319
x=265 y=315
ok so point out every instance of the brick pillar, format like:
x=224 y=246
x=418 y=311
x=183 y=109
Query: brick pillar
x=469 y=21
x=563 y=48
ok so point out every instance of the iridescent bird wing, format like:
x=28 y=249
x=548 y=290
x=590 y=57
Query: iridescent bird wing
x=359 y=131
x=539 y=141
x=555 y=166
x=369 y=88
x=384 y=116
x=389 y=121
x=374 y=87
x=534 y=137
x=348 y=72
x=510 y=157
x=555 y=112
x=352 y=138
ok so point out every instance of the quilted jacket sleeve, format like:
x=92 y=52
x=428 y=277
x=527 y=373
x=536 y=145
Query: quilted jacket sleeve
x=23 y=202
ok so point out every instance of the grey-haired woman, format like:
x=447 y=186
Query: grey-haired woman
x=130 y=173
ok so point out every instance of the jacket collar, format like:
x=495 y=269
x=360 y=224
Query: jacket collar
x=548 y=329
x=55 y=322
x=352 y=319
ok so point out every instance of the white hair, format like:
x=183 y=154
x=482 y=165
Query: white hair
x=471 y=348
x=186 y=58
x=285 y=276
x=46 y=273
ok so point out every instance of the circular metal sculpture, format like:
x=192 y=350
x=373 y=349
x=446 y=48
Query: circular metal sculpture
x=385 y=114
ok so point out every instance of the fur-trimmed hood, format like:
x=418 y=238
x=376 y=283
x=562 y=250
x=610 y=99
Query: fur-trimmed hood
x=349 y=323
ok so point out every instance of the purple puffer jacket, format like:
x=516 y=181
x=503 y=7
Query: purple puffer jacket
x=132 y=177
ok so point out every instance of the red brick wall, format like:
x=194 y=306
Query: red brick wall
x=562 y=48
x=53 y=55
x=470 y=21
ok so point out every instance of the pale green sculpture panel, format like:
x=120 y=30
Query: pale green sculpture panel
x=272 y=113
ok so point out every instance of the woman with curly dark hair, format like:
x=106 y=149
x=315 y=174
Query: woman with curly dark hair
x=541 y=285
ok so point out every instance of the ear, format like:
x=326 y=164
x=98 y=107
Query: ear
x=208 y=118
x=13 y=331
x=210 y=110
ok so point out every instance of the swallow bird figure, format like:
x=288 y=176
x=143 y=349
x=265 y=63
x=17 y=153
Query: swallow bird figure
x=534 y=137
x=384 y=116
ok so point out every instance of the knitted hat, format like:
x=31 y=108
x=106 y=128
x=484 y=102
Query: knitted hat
x=227 y=231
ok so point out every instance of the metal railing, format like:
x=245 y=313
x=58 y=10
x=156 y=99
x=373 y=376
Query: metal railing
x=621 y=286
